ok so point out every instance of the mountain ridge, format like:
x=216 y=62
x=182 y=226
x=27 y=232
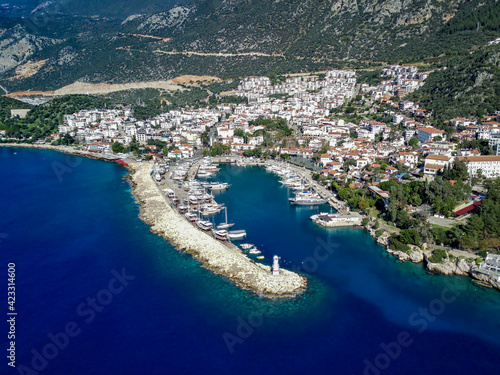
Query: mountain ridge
x=232 y=38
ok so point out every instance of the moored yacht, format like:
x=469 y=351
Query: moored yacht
x=305 y=199
x=204 y=225
x=237 y=234
x=220 y=234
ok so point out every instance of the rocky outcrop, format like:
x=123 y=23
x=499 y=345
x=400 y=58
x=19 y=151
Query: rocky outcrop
x=486 y=280
x=450 y=267
x=219 y=258
x=415 y=255
x=17 y=46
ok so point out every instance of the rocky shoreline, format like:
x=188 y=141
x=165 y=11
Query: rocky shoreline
x=215 y=256
x=453 y=265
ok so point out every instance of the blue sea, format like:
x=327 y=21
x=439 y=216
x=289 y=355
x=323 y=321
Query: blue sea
x=98 y=293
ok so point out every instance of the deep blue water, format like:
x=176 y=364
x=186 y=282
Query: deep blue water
x=68 y=222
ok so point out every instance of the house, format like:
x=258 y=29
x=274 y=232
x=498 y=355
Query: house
x=325 y=158
x=175 y=154
x=431 y=170
x=438 y=160
x=333 y=165
x=361 y=163
x=391 y=170
x=425 y=134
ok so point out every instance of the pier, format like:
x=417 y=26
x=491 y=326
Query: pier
x=221 y=258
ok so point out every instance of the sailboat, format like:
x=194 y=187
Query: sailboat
x=225 y=225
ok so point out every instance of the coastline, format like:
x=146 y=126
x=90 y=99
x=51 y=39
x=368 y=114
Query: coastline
x=458 y=264
x=454 y=266
x=215 y=256
x=64 y=149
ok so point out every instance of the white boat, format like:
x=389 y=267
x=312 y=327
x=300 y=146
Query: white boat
x=170 y=193
x=219 y=186
x=225 y=225
x=191 y=216
x=204 y=224
x=220 y=235
x=246 y=246
x=237 y=234
x=210 y=209
x=291 y=181
x=307 y=199
x=255 y=251
x=203 y=174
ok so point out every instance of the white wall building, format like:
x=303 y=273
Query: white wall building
x=489 y=165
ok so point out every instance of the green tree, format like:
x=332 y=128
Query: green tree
x=117 y=147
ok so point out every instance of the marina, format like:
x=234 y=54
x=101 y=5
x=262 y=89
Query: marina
x=190 y=233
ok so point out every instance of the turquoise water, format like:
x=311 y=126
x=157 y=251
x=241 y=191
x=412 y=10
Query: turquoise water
x=67 y=231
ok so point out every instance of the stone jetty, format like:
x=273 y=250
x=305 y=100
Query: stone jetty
x=222 y=259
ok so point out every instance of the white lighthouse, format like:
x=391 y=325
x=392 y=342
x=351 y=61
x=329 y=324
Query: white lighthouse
x=276 y=265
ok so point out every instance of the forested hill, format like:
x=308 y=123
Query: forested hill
x=234 y=38
x=465 y=86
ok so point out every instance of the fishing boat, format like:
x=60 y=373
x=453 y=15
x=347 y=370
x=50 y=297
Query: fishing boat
x=220 y=235
x=204 y=225
x=246 y=246
x=237 y=234
x=225 y=225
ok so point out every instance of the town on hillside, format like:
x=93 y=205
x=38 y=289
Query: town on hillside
x=378 y=151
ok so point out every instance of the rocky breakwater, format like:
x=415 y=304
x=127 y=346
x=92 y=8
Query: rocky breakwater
x=215 y=256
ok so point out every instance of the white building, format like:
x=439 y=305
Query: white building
x=489 y=165
x=428 y=133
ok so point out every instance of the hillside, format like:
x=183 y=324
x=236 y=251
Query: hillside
x=6 y=104
x=465 y=86
x=233 y=38
x=109 y=8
